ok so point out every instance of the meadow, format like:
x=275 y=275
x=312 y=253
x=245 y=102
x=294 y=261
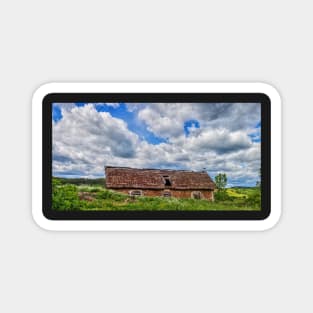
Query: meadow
x=84 y=195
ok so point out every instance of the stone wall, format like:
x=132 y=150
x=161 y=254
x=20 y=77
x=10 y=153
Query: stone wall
x=205 y=194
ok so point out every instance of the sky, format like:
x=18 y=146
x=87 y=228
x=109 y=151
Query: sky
x=215 y=137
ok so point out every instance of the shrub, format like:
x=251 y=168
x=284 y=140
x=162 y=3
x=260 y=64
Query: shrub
x=106 y=194
x=254 y=200
x=222 y=195
x=64 y=197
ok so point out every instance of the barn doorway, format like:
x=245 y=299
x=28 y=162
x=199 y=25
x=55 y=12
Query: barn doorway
x=196 y=195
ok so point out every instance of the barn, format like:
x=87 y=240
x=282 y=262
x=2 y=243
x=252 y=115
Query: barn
x=160 y=183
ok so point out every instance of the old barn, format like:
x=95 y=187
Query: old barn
x=160 y=183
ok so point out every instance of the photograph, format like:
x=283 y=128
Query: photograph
x=156 y=156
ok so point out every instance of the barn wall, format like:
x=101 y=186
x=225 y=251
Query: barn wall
x=207 y=194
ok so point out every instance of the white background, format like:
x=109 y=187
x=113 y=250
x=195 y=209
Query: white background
x=43 y=41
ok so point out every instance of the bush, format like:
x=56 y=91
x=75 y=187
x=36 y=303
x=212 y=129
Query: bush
x=222 y=195
x=254 y=200
x=106 y=194
x=64 y=197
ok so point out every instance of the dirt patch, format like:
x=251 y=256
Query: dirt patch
x=84 y=195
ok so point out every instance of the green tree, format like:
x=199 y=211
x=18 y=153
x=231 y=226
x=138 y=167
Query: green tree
x=221 y=181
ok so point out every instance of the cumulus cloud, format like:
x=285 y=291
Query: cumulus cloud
x=109 y=104
x=167 y=120
x=219 y=138
x=84 y=140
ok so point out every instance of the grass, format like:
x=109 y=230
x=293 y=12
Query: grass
x=69 y=197
x=235 y=194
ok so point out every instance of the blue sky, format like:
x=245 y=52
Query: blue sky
x=119 y=112
x=190 y=124
x=217 y=137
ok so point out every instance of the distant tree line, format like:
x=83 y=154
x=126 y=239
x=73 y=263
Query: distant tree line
x=258 y=183
x=81 y=181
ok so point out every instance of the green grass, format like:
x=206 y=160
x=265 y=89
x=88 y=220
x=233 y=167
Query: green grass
x=66 y=197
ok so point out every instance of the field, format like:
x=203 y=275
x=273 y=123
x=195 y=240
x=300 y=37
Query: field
x=69 y=195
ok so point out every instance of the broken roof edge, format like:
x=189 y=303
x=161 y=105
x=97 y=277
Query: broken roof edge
x=153 y=169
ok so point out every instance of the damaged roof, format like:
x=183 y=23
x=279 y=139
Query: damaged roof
x=126 y=177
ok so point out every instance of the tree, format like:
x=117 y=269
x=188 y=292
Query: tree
x=258 y=183
x=221 y=181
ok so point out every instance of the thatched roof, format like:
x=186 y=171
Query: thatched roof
x=125 y=177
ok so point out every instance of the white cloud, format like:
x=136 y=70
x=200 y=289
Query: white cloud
x=109 y=104
x=217 y=140
x=167 y=119
x=84 y=140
